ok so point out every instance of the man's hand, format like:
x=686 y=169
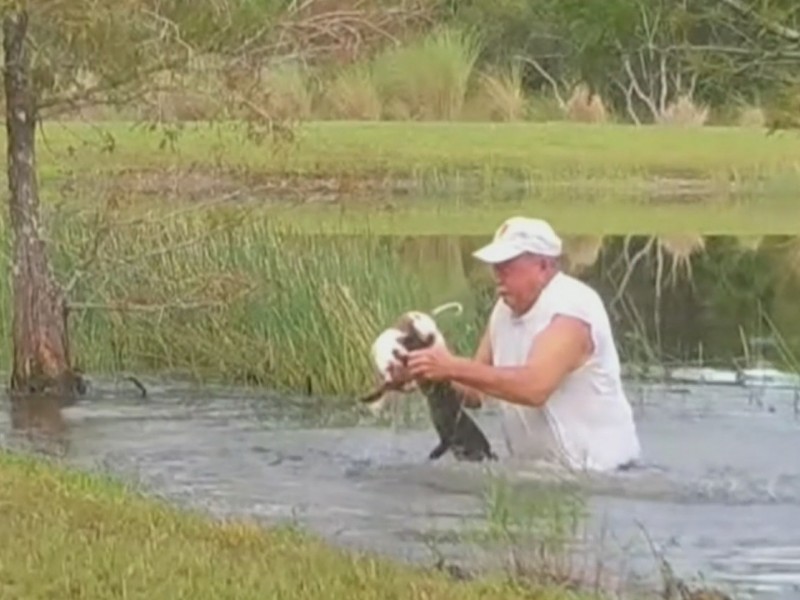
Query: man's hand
x=398 y=373
x=434 y=363
x=563 y=346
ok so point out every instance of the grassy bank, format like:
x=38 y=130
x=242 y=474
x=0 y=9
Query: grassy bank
x=81 y=536
x=478 y=154
x=572 y=215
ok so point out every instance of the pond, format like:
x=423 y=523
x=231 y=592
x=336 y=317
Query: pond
x=708 y=336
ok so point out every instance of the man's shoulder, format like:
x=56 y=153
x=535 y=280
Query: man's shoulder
x=499 y=308
x=574 y=286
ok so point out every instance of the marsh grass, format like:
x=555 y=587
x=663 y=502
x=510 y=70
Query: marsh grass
x=427 y=79
x=351 y=94
x=500 y=95
x=538 y=532
x=236 y=293
x=224 y=294
x=585 y=107
x=81 y=535
x=684 y=112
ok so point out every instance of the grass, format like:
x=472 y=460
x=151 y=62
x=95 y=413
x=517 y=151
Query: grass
x=227 y=295
x=78 y=535
x=481 y=154
x=437 y=90
x=233 y=294
x=571 y=215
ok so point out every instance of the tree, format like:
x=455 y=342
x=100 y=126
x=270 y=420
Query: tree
x=40 y=340
x=642 y=56
x=63 y=55
x=46 y=45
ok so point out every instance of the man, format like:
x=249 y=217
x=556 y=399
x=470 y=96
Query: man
x=548 y=356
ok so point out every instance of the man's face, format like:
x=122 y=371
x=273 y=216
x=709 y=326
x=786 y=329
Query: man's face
x=520 y=280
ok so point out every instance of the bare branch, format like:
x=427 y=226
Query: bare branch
x=144 y=308
x=535 y=64
x=628 y=92
x=635 y=85
x=776 y=28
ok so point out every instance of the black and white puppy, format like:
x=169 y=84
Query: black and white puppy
x=457 y=431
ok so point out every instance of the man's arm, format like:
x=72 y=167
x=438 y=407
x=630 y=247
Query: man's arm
x=472 y=397
x=562 y=347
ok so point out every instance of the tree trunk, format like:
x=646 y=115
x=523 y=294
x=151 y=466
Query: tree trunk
x=41 y=360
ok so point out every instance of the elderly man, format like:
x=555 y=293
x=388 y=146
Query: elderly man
x=548 y=355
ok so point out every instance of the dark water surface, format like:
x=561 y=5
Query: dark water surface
x=719 y=493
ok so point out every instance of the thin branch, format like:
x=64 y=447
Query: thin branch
x=635 y=84
x=664 y=84
x=628 y=92
x=782 y=30
x=535 y=64
x=144 y=308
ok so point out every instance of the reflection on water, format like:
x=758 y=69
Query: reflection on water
x=39 y=424
x=719 y=492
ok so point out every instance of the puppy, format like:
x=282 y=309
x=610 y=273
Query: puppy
x=457 y=430
x=388 y=351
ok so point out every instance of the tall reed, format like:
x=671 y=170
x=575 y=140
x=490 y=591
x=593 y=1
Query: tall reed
x=227 y=295
x=429 y=78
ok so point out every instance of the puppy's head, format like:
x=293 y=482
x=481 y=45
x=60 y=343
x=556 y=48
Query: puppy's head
x=419 y=331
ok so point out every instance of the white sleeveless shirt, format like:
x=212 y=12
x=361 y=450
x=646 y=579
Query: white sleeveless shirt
x=587 y=422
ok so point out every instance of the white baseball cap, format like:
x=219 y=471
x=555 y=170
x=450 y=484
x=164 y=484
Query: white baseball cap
x=518 y=235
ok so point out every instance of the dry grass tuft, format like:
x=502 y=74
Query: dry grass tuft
x=752 y=116
x=586 y=107
x=750 y=242
x=792 y=257
x=500 y=94
x=351 y=94
x=427 y=79
x=683 y=112
x=681 y=247
x=285 y=92
x=582 y=251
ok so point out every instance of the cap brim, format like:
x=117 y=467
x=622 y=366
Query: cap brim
x=497 y=252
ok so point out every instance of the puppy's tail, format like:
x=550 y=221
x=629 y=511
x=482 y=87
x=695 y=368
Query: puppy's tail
x=448 y=306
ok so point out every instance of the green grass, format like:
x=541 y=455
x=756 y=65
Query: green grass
x=226 y=295
x=605 y=215
x=534 y=153
x=77 y=535
x=464 y=177
x=427 y=79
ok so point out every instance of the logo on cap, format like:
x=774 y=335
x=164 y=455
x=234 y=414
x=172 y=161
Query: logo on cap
x=501 y=230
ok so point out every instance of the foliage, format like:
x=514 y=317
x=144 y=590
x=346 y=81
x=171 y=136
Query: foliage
x=642 y=55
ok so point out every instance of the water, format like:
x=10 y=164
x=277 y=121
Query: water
x=719 y=493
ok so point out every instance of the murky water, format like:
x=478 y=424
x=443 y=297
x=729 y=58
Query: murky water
x=719 y=493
